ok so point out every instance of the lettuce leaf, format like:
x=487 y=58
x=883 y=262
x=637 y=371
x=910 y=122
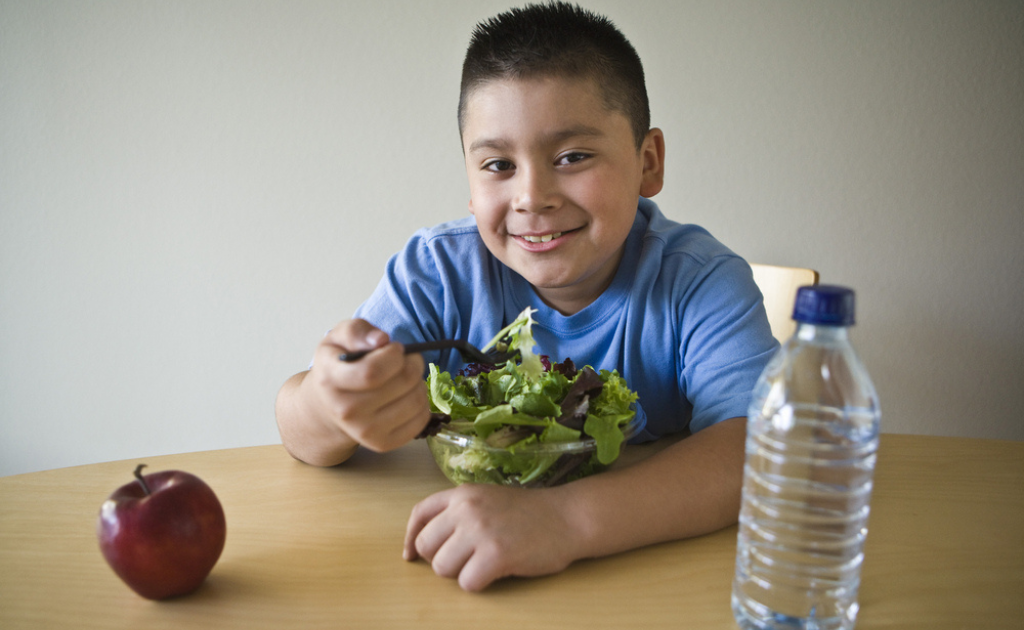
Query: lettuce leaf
x=520 y=333
x=448 y=397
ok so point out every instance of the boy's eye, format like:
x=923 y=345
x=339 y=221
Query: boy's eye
x=572 y=158
x=498 y=166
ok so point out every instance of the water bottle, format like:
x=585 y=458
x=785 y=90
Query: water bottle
x=812 y=435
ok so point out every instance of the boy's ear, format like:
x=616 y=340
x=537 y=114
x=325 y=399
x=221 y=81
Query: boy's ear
x=652 y=152
x=471 y=206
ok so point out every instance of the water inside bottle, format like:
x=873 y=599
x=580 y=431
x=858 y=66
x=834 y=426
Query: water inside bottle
x=807 y=487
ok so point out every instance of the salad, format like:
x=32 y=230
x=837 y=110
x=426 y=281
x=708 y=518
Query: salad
x=531 y=423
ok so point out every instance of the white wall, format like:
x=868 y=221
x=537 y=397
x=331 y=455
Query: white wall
x=192 y=192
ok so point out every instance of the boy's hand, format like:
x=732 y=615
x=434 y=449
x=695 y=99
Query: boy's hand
x=380 y=400
x=480 y=533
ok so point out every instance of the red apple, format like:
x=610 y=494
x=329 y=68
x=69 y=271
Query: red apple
x=163 y=533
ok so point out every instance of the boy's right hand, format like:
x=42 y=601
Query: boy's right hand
x=378 y=401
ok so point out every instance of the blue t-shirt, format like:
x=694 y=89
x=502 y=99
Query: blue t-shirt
x=682 y=321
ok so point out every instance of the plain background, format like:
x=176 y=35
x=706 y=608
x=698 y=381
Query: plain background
x=192 y=192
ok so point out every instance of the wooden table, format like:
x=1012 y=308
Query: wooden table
x=311 y=548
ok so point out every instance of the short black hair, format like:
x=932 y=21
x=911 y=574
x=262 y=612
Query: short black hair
x=558 y=39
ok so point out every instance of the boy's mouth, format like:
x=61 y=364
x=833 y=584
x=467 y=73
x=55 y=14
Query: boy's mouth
x=541 y=239
x=540 y=243
x=538 y=239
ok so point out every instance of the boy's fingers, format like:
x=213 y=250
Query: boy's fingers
x=422 y=514
x=411 y=401
x=454 y=552
x=357 y=334
x=386 y=418
x=382 y=439
x=479 y=571
x=418 y=416
x=372 y=371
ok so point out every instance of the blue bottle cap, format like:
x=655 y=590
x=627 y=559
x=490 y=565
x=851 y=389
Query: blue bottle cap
x=824 y=304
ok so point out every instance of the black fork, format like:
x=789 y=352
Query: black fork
x=496 y=355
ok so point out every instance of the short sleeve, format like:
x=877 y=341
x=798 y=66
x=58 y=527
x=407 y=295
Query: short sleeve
x=728 y=341
x=407 y=302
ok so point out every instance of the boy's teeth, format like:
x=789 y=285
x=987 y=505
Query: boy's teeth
x=542 y=239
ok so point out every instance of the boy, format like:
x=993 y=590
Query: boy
x=560 y=158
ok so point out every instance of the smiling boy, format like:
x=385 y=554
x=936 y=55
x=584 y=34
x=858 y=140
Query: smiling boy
x=561 y=159
x=554 y=177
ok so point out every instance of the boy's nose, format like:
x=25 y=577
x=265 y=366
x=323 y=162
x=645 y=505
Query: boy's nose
x=536 y=191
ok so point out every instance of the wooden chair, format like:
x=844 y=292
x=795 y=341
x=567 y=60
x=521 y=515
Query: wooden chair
x=779 y=285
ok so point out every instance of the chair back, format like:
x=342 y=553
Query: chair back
x=779 y=285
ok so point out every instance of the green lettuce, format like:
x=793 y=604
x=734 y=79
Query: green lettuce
x=516 y=405
x=520 y=333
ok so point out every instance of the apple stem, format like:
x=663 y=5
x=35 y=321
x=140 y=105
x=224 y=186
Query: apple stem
x=138 y=475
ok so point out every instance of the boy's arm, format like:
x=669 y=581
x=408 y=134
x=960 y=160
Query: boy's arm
x=690 y=488
x=379 y=401
x=482 y=533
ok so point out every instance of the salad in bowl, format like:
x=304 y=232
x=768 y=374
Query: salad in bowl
x=529 y=422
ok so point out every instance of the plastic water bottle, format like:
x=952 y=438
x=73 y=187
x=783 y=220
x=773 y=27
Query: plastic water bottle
x=812 y=434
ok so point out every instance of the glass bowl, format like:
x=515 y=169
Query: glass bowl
x=469 y=459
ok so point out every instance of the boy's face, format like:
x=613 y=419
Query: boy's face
x=554 y=179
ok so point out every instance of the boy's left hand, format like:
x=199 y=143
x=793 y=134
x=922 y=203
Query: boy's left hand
x=481 y=533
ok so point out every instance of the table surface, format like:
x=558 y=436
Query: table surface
x=312 y=547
